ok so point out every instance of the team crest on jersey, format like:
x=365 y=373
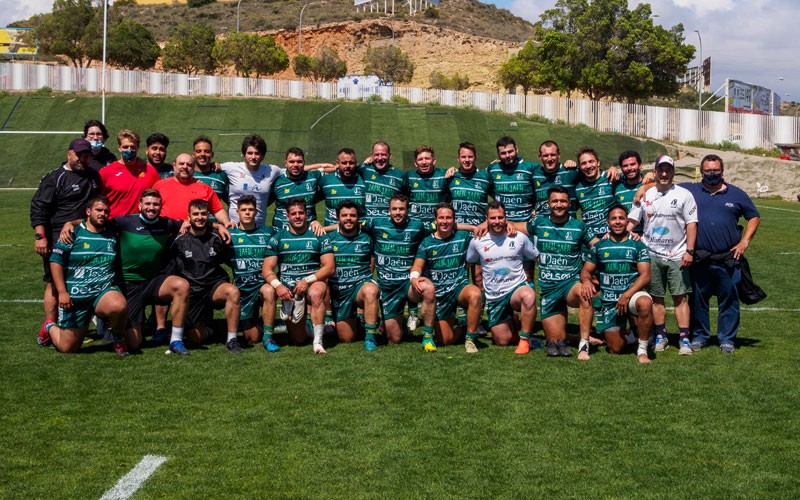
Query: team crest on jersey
x=285 y=245
x=546 y=234
x=628 y=254
x=286 y=190
x=601 y=191
x=455 y=247
x=605 y=254
x=261 y=240
x=674 y=202
x=240 y=240
x=308 y=244
x=436 y=184
x=110 y=246
x=558 y=180
x=358 y=248
x=406 y=237
x=85 y=245
x=373 y=177
x=335 y=248
x=458 y=182
x=416 y=184
x=357 y=191
x=187 y=254
x=568 y=237
x=434 y=252
x=309 y=186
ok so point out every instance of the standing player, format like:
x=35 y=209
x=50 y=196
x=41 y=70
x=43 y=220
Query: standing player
x=83 y=275
x=504 y=282
x=180 y=189
x=560 y=239
x=303 y=262
x=630 y=181
x=251 y=177
x=351 y=285
x=623 y=265
x=197 y=256
x=427 y=186
x=669 y=216
x=295 y=182
x=205 y=169
x=382 y=181
x=396 y=239
x=156 y=154
x=594 y=192
x=344 y=184
x=553 y=173
x=61 y=197
x=249 y=247
x=125 y=180
x=512 y=178
x=469 y=188
x=442 y=257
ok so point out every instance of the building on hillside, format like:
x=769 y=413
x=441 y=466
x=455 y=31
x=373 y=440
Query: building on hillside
x=388 y=6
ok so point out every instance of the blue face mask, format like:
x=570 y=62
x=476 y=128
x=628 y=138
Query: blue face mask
x=712 y=179
x=96 y=144
x=128 y=154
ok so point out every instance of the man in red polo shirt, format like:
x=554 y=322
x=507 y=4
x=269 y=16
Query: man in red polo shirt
x=180 y=189
x=125 y=180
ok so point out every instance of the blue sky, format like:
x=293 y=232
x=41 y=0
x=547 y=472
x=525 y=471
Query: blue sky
x=755 y=41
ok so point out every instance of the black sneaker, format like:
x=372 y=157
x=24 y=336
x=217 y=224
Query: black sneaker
x=233 y=346
x=562 y=349
x=551 y=349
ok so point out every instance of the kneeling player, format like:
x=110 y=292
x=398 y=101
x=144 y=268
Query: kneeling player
x=83 y=275
x=443 y=258
x=624 y=268
x=351 y=285
x=303 y=262
x=502 y=258
x=396 y=239
x=197 y=256
x=249 y=247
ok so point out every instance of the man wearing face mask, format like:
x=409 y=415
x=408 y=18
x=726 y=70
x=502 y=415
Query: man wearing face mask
x=716 y=270
x=96 y=134
x=125 y=180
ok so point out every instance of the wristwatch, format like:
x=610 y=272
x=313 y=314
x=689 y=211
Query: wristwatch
x=690 y=252
x=39 y=236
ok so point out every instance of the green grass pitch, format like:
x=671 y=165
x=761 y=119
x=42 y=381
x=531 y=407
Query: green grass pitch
x=396 y=423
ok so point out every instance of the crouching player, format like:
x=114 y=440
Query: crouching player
x=197 y=257
x=501 y=259
x=83 y=275
x=303 y=262
x=249 y=247
x=351 y=285
x=623 y=266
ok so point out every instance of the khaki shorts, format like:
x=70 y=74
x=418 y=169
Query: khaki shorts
x=668 y=274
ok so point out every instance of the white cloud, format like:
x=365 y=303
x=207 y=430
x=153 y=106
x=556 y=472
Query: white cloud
x=15 y=10
x=703 y=7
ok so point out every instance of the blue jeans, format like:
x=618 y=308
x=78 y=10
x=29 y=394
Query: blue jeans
x=715 y=280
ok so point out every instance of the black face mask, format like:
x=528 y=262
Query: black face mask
x=712 y=179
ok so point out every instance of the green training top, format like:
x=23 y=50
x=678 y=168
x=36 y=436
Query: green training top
x=559 y=248
x=88 y=262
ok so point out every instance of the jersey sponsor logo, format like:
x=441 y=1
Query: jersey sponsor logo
x=187 y=254
x=660 y=231
x=211 y=251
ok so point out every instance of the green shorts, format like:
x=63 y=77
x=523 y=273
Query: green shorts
x=500 y=310
x=607 y=317
x=81 y=312
x=394 y=298
x=447 y=304
x=250 y=299
x=554 y=300
x=665 y=274
x=343 y=302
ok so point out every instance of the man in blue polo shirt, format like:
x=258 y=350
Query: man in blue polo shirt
x=716 y=270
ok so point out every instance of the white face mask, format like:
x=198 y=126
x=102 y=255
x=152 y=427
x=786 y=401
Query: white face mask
x=96 y=144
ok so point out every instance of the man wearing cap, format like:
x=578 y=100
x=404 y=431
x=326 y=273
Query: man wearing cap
x=669 y=216
x=716 y=270
x=62 y=196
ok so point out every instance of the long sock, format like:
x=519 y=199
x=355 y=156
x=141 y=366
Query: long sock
x=176 y=335
x=318 y=331
x=472 y=336
x=661 y=329
x=370 y=331
x=427 y=332
x=684 y=332
x=231 y=335
x=267 y=333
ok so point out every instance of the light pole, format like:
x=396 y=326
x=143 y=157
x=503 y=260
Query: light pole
x=300 y=28
x=238 y=4
x=700 y=80
x=103 y=77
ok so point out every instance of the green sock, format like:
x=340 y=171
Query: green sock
x=524 y=335
x=370 y=331
x=328 y=316
x=472 y=336
x=427 y=332
x=267 y=333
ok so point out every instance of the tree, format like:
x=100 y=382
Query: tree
x=132 y=46
x=189 y=49
x=72 y=30
x=455 y=82
x=327 y=66
x=602 y=49
x=520 y=70
x=251 y=54
x=390 y=64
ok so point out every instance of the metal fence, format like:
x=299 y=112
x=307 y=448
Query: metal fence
x=668 y=124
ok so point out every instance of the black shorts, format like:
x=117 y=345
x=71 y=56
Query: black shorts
x=201 y=310
x=139 y=295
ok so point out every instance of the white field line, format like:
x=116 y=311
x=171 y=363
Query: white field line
x=743 y=308
x=781 y=209
x=18 y=189
x=79 y=132
x=323 y=116
x=133 y=480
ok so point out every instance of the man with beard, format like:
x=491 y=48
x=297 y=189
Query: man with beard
x=427 y=186
x=344 y=184
x=125 y=180
x=623 y=268
x=382 y=181
x=180 y=189
x=512 y=178
x=594 y=192
x=83 y=276
x=205 y=170
x=295 y=182
x=156 y=153
x=469 y=187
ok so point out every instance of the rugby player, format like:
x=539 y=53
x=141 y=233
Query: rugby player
x=344 y=184
x=382 y=181
x=251 y=177
x=441 y=257
x=196 y=256
x=297 y=265
x=594 y=192
x=396 y=239
x=295 y=182
x=501 y=263
x=469 y=188
x=512 y=178
x=553 y=173
x=623 y=265
x=427 y=186
x=83 y=276
x=351 y=286
x=205 y=170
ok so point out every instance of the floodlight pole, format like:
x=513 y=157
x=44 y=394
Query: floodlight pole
x=700 y=83
x=300 y=28
x=103 y=77
x=238 y=4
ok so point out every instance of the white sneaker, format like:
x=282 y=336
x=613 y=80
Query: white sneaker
x=299 y=309
x=286 y=309
x=470 y=346
x=686 y=347
x=413 y=322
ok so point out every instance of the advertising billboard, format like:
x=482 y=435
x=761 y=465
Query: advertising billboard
x=745 y=97
x=12 y=42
